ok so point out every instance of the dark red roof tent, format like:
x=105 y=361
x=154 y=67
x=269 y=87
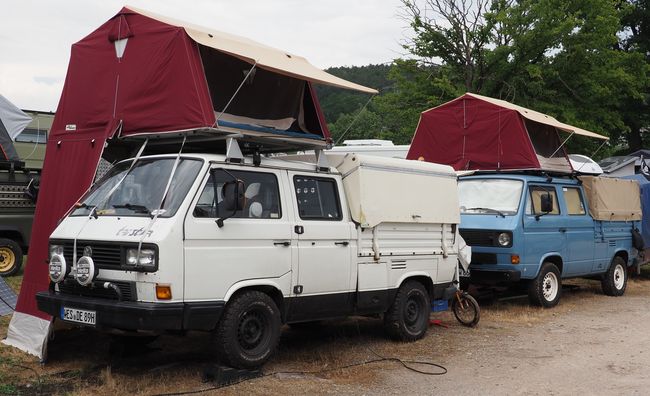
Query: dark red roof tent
x=475 y=132
x=141 y=75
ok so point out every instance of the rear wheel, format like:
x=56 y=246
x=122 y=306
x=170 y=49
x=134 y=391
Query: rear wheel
x=249 y=330
x=11 y=257
x=546 y=289
x=615 y=280
x=408 y=318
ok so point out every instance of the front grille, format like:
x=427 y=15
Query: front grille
x=104 y=255
x=484 y=258
x=478 y=237
x=128 y=290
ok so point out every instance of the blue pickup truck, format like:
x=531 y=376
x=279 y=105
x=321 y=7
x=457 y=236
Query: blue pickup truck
x=537 y=230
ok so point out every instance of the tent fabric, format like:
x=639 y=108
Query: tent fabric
x=255 y=53
x=13 y=119
x=474 y=132
x=644 y=187
x=70 y=162
x=612 y=198
x=12 y=122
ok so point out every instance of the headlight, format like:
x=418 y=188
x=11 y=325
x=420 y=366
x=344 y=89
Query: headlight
x=56 y=249
x=146 y=258
x=57 y=268
x=504 y=239
x=85 y=272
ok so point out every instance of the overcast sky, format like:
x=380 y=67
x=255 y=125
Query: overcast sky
x=35 y=36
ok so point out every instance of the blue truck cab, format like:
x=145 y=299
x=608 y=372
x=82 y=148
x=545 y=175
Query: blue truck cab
x=537 y=230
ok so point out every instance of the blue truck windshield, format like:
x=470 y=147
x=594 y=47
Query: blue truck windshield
x=489 y=196
x=141 y=191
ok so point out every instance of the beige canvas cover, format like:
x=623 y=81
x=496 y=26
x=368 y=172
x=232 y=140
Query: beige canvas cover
x=611 y=198
x=255 y=53
x=392 y=190
x=540 y=117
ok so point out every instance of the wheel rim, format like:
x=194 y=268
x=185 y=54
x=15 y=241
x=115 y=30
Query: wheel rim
x=253 y=333
x=464 y=310
x=412 y=312
x=619 y=277
x=7 y=259
x=550 y=286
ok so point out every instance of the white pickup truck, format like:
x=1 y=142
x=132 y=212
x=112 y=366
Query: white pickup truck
x=239 y=247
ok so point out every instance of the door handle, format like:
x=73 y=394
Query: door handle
x=562 y=229
x=344 y=243
x=285 y=243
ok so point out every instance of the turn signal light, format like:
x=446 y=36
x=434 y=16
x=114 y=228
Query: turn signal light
x=514 y=259
x=163 y=292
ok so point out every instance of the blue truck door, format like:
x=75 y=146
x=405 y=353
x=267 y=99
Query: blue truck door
x=579 y=232
x=542 y=231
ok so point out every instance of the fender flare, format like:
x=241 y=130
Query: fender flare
x=272 y=282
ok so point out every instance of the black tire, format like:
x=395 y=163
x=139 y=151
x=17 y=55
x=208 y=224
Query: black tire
x=249 y=330
x=407 y=319
x=546 y=290
x=466 y=310
x=614 y=281
x=11 y=257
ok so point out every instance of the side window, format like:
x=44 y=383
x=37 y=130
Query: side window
x=534 y=205
x=317 y=197
x=574 y=203
x=262 y=196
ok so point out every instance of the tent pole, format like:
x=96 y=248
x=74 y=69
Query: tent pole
x=236 y=92
x=563 y=143
x=354 y=120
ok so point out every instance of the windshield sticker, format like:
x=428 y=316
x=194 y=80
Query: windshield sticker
x=158 y=212
x=125 y=231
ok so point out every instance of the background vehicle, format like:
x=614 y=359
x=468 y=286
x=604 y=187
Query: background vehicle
x=538 y=230
x=238 y=247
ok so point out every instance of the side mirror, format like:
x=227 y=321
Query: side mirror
x=233 y=198
x=546 y=202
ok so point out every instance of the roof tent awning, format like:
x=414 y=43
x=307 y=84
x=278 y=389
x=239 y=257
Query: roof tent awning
x=255 y=53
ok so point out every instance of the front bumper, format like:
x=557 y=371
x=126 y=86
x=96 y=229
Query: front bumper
x=483 y=277
x=128 y=315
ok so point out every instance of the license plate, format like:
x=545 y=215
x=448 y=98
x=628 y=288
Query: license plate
x=462 y=272
x=79 y=316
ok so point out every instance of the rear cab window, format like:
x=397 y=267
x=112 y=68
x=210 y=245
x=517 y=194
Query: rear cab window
x=317 y=198
x=575 y=203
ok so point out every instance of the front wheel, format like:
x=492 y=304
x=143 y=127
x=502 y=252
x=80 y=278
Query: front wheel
x=466 y=309
x=249 y=330
x=11 y=257
x=408 y=318
x=615 y=280
x=546 y=289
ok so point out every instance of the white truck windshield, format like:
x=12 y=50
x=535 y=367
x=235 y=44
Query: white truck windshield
x=142 y=189
x=481 y=196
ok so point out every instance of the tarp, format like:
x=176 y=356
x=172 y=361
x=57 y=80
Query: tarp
x=644 y=187
x=392 y=190
x=612 y=198
x=474 y=132
x=12 y=122
x=138 y=75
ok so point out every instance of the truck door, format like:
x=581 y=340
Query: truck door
x=579 y=232
x=255 y=243
x=323 y=232
x=543 y=232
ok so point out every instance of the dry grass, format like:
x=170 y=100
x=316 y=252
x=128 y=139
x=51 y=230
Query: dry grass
x=82 y=362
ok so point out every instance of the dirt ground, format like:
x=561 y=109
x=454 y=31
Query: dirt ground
x=589 y=344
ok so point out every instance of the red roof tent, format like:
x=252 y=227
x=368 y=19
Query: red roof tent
x=475 y=132
x=143 y=75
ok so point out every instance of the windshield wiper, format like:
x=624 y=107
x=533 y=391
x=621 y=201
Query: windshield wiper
x=91 y=208
x=500 y=213
x=135 y=208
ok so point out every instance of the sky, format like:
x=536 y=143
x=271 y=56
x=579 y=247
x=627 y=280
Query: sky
x=36 y=35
